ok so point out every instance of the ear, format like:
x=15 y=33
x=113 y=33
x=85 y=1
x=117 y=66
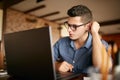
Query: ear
x=88 y=26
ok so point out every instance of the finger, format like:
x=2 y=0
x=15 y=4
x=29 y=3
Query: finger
x=71 y=68
x=68 y=66
x=65 y=69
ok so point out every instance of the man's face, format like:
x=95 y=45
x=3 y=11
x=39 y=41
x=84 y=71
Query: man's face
x=76 y=28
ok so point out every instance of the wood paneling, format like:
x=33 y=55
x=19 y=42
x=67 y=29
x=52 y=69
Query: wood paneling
x=110 y=22
x=49 y=14
x=8 y=3
x=36 y=8
x=112 y=37
x=17 y=21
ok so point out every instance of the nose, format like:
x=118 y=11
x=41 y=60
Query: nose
x=69 y=29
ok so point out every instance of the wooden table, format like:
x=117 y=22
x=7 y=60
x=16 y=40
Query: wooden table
x=76 y=78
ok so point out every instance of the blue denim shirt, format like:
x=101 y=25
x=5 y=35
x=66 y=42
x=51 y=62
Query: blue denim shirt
x=81 y=59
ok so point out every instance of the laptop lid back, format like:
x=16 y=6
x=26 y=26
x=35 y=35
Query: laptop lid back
x=29 y=54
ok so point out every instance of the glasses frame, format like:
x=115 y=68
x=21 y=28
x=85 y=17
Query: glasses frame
x=73 y=27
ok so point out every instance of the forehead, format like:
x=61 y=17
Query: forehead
x=76 y=20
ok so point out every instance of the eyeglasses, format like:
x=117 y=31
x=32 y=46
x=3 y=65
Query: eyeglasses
x=73 y=27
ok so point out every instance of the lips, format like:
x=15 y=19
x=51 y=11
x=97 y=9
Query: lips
x=70 y=34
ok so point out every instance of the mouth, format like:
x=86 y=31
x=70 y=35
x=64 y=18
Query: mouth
x=70 y=34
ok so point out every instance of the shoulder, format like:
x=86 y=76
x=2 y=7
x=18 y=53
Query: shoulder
x=105 y=43
x=63 y=40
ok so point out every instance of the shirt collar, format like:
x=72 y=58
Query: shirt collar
x=87 y=44
x=72 y=44
x=89 y=41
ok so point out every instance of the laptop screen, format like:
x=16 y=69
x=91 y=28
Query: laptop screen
x=29 y=54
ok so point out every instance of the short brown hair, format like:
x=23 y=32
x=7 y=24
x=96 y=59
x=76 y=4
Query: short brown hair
x=82 y=11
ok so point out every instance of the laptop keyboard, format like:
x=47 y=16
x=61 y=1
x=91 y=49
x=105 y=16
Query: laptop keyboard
x=66 y=76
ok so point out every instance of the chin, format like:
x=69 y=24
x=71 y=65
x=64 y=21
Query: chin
x=72 y=38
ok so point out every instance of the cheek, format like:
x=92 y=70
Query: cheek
x=79 y=33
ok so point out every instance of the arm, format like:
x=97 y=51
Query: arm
x=60 y=65
x=98 y=49
x=63 y=66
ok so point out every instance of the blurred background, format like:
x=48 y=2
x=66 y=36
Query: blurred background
x=18 y=15
x=26 y=14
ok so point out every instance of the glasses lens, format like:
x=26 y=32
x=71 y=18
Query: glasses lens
x=72 y=27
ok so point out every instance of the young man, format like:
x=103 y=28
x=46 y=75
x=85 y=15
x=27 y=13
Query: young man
x=83 y=47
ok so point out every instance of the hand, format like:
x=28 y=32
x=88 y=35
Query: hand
x=65 y=67
x=95 y=27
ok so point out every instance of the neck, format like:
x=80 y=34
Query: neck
x=81 y=41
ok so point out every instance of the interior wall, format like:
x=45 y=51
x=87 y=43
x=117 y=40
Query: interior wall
x=15 y=21
x=18 y=21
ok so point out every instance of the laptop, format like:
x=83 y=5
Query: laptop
x=29 y=55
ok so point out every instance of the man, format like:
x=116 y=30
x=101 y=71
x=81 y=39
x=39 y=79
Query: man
x=83 y=47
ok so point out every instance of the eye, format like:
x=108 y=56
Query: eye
x=69 y=25
x=75 y=26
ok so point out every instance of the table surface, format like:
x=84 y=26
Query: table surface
x=7 y=77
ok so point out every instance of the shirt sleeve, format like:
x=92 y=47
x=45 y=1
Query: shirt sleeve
x=105 y=43
x=56 y=51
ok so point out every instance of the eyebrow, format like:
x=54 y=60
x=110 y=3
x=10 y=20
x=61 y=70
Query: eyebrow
x=76 y=24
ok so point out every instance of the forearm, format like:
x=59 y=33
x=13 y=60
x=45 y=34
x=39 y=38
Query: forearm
x=57 y=65
x=63 y=66
x=100 y=59
x=96 y=52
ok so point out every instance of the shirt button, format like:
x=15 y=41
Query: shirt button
x=73 y=61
